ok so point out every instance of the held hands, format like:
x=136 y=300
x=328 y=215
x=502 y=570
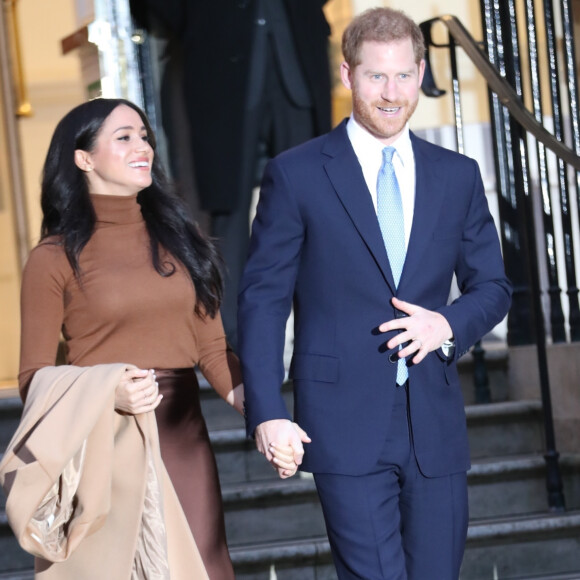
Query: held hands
x=427 y=330
x=138 y=392
x=280 y=441
x=283 y=460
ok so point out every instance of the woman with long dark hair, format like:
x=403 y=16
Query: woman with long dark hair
x=126 y=276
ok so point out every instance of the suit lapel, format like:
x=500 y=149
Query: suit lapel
x=345 y=175
x=428 y=200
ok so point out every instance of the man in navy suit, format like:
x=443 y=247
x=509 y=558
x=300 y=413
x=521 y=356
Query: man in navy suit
x=389 y=454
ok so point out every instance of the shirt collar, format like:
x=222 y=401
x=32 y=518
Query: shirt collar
x=366 y=144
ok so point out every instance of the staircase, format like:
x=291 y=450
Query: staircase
x=276 y=529
x=15 y=564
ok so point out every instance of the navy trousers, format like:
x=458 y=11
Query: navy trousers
x=395 y=523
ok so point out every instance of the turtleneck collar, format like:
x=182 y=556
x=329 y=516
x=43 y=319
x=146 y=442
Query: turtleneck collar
x=116 y=209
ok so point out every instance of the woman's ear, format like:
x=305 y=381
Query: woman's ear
x=83 y=160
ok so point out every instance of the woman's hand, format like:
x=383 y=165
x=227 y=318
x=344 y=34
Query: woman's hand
x=137 y=392
x=235 y=398
x=283 y=460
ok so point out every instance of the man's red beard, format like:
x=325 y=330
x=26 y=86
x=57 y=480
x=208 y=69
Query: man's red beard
x=382 y=127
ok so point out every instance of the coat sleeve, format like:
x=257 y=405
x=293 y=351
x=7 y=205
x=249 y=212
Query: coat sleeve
x=485 y=289
x=265 y=297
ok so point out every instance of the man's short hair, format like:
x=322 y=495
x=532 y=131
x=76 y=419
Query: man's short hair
x=380 y=25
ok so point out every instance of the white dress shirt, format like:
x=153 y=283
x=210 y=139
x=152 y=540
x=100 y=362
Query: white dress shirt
x=369 y=152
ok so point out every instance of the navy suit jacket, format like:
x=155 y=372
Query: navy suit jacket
x=316 y=242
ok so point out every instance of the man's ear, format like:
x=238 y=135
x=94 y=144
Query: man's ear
x=345 y=75
x=83 y=160
x=421 y=71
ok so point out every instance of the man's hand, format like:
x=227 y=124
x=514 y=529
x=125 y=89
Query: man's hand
x=272 y=437
x=427 y=330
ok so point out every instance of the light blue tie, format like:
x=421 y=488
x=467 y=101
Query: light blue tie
x=390 y=215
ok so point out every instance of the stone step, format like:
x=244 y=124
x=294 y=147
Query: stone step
x=238 y=459
x=543 y=547
x=296 y=560
x=277 y=510
x=505 y=428
x=496 y=359
x=13 y=558
x=495 y=430
x=10 y=411
x=516 y=485
x=575 y=575
x=537 y=546
x=285 y=510
x=23 y=575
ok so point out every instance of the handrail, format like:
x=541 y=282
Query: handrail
x=505 y=92
x=508 y=97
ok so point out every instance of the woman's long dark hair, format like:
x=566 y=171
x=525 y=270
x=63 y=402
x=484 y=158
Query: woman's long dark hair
x=68 y=212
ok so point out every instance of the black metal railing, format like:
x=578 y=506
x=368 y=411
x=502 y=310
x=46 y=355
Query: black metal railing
x=526 y=154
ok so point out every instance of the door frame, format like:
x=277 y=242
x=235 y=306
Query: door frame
x=12 y=184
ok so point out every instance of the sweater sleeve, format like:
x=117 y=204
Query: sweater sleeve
x=42 y=310
x=218 y=363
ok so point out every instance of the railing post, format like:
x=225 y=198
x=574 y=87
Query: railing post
x=571 y=75
x=480 y=376
x=519 y=328
x=501 y=18
x=558 y=330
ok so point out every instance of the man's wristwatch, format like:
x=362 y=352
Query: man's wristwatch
x=448 y=347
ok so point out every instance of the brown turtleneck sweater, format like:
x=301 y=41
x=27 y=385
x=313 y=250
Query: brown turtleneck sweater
x=122 y=311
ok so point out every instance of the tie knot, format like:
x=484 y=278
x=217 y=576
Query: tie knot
x=388 y=153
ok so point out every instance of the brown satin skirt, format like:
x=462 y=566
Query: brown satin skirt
x=190 y=462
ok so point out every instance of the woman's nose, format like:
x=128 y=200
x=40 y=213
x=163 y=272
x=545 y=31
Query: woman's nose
x=144 y=146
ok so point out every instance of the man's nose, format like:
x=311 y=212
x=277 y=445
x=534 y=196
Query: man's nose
x=390 y=90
